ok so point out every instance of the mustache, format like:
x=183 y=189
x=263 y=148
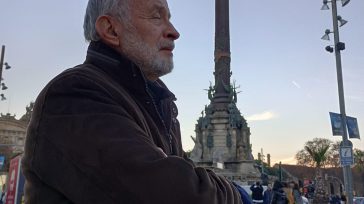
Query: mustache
x=166 y=45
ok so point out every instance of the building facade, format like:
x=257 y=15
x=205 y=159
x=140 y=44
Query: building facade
x=12 y=133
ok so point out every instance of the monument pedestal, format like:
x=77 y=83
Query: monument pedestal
x=222 y=136
x=242 y=171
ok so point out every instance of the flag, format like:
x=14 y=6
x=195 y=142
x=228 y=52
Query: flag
x=353 y=127
x=336 y=124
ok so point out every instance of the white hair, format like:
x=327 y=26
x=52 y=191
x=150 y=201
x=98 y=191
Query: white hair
x=97 y=8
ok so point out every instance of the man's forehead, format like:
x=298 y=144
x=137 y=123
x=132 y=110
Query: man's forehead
x=151 y=3
x=147 y=6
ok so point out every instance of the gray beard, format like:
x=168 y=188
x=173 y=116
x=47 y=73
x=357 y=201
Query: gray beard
x=145 y=56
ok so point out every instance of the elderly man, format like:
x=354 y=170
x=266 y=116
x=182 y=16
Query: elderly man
x=106 y=131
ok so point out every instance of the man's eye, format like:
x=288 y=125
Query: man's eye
x=156 y=16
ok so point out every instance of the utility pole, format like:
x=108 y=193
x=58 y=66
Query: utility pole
x=2 y=62
x=280 y=171
x=338 y=46
x=2 y=84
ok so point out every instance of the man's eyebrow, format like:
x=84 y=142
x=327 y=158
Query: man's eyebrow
x=160 y=8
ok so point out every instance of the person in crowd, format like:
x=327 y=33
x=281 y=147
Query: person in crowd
x=245 y=197
x=288 y=190
x=296 y=193
x=257 y=192
x=3 y=194
x=279 y=196
x=311 y=191
x=335 y=199
x=268 y=194
x=343 y=199
x=305 y=200
x=106 y=131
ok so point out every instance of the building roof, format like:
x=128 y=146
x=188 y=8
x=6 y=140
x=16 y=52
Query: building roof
x=303 y=172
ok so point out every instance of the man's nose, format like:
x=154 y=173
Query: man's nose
x=172 y=32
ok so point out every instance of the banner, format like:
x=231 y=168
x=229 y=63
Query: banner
x=336 y=124
x=15 y=189
x=353 y=127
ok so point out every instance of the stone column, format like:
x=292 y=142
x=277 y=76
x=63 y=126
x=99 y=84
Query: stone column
x=222 y=52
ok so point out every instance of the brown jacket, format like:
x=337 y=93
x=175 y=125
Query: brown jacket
x=100 y=133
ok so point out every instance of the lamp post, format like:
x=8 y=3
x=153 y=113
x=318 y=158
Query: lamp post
x=338 y=46
x=7 y=66
x=280 y=171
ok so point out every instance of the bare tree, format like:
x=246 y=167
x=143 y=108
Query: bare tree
x=359 y=158
x=334 y=155
x=316 y=153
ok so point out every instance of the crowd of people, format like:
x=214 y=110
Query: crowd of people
x=279 y=193
x=285 y=193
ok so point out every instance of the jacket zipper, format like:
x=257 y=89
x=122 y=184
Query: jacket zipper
x=169 y=136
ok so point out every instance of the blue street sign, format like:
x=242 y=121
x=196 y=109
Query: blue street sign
x=353 y=128
x=2 y=160
x=346 y=156
x=336 y=124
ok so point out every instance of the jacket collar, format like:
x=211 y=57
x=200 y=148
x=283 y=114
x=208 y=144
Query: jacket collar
x=125 y=72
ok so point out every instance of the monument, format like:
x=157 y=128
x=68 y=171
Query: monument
x=222 y=139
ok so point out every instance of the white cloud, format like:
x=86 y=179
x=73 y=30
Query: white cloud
x=267 y=115
x=296 y=84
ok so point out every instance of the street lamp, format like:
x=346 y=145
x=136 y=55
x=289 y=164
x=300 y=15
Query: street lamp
x=4 y=87
x=344 y=2
x=337 y=47
x=326 y=35
x=325 y=6
x=7 y=66
x=341 y=21
x=2 y=97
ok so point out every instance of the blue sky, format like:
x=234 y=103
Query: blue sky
x=287 y=79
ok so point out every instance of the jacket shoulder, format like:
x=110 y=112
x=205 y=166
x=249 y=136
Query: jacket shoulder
x=80 y=76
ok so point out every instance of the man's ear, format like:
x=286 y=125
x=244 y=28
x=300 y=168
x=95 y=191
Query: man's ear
x=106 y=28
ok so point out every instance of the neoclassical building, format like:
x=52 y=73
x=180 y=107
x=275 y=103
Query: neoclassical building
x=12 y=132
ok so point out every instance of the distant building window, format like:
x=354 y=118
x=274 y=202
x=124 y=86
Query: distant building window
x=20 y=141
